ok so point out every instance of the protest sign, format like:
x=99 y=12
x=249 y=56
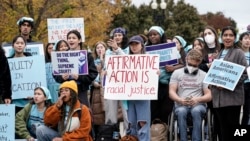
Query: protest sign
x=34 y=48
x=224 y=74
x=70 y=62
x=58 y=28
x=7 y=124
x=27 y=73
x=131 y=77
x=168 y=53
x=52 y=85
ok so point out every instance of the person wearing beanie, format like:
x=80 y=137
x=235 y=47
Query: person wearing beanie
x=26 y=25
x=31 y=116
x=163 y=106
x=67 y=119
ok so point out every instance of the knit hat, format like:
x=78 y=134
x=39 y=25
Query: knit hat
x=119 y=30
x=158 y=29
x=46 y=92
x=70 y=84
x=137 y=39
x=181 y=40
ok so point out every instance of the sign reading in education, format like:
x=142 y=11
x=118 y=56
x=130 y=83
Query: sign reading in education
x=59 y=27
x=7 y=122
x=27 y=73
x=131 y=77
x=35 y=48
x=52 y=85
x=224 y=74
x=168 y=53
x=70 y=62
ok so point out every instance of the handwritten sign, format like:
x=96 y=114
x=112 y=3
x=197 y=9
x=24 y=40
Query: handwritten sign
x=52 y=85
x=224 y=74
x=7 y=122
x=168 y=53
x=27 y=73
x=131 y=77
x=70 y=62
x=35 y=48
x=58 y=28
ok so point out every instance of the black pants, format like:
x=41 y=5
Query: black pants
x=162 y=107
x=228 y=117
x=246 y=107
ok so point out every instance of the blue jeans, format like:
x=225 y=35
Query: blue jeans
x=139 y=110
x=197 y=112
x=45 y=133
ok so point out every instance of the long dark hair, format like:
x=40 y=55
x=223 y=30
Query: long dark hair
x=78 y=34
x=47 y=55
x=13 y=42
x=234 y=33
x=47 y=102
x=73 y=100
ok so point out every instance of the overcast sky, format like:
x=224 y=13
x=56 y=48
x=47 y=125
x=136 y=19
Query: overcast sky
x=238 y=10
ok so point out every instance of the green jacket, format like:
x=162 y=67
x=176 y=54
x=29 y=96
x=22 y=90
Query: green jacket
x=21 y=122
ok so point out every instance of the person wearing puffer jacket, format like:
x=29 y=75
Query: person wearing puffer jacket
x=67 y=119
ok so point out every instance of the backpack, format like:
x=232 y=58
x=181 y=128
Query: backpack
x=158 y=130
x=92 y=132
x=108 y=132
x=129 y=138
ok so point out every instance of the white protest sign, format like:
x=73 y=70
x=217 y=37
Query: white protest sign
x=131 y=77
x=7 y=122
x=224 y=74
x=69 y=62
x=27 y=73
x=35 y=48
x=59 y=27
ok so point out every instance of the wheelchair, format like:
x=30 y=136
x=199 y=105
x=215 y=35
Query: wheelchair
x=207 y=127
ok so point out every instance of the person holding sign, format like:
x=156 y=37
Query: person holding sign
x=26 y=24
x=74 y=40
x=190 y=94
x=67 y=119
x=244 y=41
x=5 y=79
x=162 y=107
x=31 y=116
x=227 y=103
x=138 y=110
x=48 y=50
x=61 y=45
x=19 y=44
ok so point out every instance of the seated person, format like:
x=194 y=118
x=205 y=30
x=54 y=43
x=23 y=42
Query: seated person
x=67 y=119
x=31 y=116
x=190 y=95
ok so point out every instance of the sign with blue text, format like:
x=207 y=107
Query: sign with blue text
x=168 y=53
x=58 y=28
x=224 y=74
x=70 y=62
x=35 y=48
x=7 y=122
x=131 y=77
x=27 y=73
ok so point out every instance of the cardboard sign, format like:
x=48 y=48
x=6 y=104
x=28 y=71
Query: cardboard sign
x=7 y=122
x=131 y=77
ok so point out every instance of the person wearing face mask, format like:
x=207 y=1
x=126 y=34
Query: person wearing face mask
x=190 y=94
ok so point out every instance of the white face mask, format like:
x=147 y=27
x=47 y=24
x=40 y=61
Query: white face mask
x=210 y=39
x=191 y=69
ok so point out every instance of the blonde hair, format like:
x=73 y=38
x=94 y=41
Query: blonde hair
x=195 y=54
x=95 y=55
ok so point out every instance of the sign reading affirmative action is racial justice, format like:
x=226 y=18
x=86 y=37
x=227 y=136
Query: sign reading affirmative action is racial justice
x=35 y=48
x=224 y=74
x=71 y=62
x=131 y=77
x=168 y=53
x=58 y=28
x=7 y=122
x=27 y=73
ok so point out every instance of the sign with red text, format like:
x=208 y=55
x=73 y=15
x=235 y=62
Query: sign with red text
x=131 y=77
x=168 y=53
x=70 y=62
x=58 y=28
